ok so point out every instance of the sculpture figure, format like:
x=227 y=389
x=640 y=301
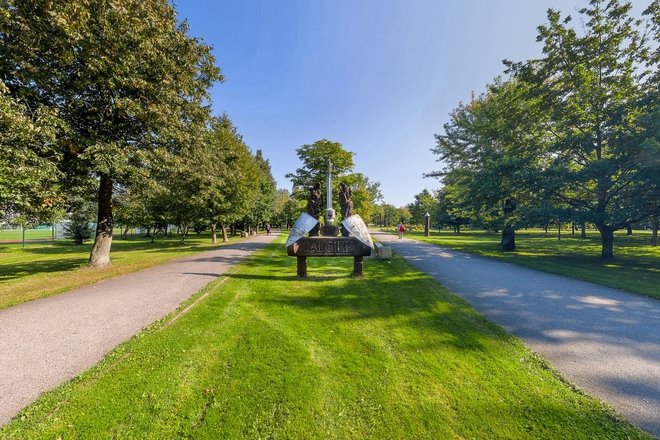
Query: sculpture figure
x=314 y=201
x=345 y=194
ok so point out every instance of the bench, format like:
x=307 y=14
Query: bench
x=382 y=252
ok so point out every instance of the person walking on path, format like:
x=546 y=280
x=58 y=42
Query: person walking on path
x=267 y=226
x=402 y=229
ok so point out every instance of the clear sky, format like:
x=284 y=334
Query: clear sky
x=378 y=76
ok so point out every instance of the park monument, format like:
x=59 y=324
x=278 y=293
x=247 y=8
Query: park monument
x=308 y=238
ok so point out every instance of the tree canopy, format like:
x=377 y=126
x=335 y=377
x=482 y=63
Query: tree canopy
x=112 y=99
x=572 y=134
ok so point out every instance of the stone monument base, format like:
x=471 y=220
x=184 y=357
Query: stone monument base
x=329 y=231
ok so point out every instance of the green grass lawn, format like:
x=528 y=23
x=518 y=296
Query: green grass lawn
x=265 y=355
x=30 y=234
x=44 y=269
x=636 y=267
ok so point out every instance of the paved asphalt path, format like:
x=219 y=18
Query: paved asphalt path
x=604 y=340
x=48 y=341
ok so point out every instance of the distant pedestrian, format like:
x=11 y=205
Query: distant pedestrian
x=402 y=229
x=267 y=228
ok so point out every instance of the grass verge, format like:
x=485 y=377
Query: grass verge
x=265 y=355
x=636 y=267
x=44 y=269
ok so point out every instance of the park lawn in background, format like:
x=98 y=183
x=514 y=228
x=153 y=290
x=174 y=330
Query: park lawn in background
x=14 y=235
x=262 y=354
x=44 y=269
x=635 y=267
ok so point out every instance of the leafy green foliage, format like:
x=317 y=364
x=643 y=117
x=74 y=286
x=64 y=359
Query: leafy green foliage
x=366 y=194
x=28 y=175
x=78 y=228
x=572 y=135
x=425 y=202
x=314 y=158
x=262 y=211
x=124 y=77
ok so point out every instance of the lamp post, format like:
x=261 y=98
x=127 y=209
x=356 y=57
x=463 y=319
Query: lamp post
x=427 y=224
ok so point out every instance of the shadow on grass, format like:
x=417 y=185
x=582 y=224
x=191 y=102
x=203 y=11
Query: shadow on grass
x=402 y=300
x=65 y=256
x=19 y=270
x=388 y=292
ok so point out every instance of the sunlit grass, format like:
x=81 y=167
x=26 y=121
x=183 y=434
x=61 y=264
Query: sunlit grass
x=636 y=267
x=266 y=355
x=45 y=269
x=30 y=234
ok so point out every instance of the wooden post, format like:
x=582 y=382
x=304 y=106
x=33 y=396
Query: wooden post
x=302 y=267
x=358 y=265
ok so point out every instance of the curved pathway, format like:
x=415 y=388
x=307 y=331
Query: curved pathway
x=48 y=341
x=604 y=340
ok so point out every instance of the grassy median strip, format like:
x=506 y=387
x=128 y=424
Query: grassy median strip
x=44 y=269
x=265 y=355
x=635 y=268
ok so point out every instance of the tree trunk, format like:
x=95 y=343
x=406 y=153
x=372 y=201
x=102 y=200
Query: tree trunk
x=654 y=227
x=546 y=228
x=558 y=230
x=508 y=239
x=52 y=232
x=458 y=229
x=583 y=230
x=233 y=229
x=223 y=227
x=628 y=229
x=508 y=242
x=572 y=228
x=184 y=232
x=125 y=234
x=100 y=255
x=214 y=239
x=607 y=237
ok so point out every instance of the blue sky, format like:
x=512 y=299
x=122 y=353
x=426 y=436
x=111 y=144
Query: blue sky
x=378 y=76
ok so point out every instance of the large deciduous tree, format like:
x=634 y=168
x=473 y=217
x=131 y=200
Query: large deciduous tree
x=124 y=77
x=572 y=134
x=486 y=149
x=314 y=158
x=266 y=193
x=425 y=202
x=592 y=84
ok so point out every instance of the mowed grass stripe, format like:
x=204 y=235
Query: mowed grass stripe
x=265 y=355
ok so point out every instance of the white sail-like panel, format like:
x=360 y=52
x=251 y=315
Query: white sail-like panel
x=302 y=226
x=358 y=229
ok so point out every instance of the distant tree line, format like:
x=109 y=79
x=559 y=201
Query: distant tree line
x=569 y=137
x=108 y=102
